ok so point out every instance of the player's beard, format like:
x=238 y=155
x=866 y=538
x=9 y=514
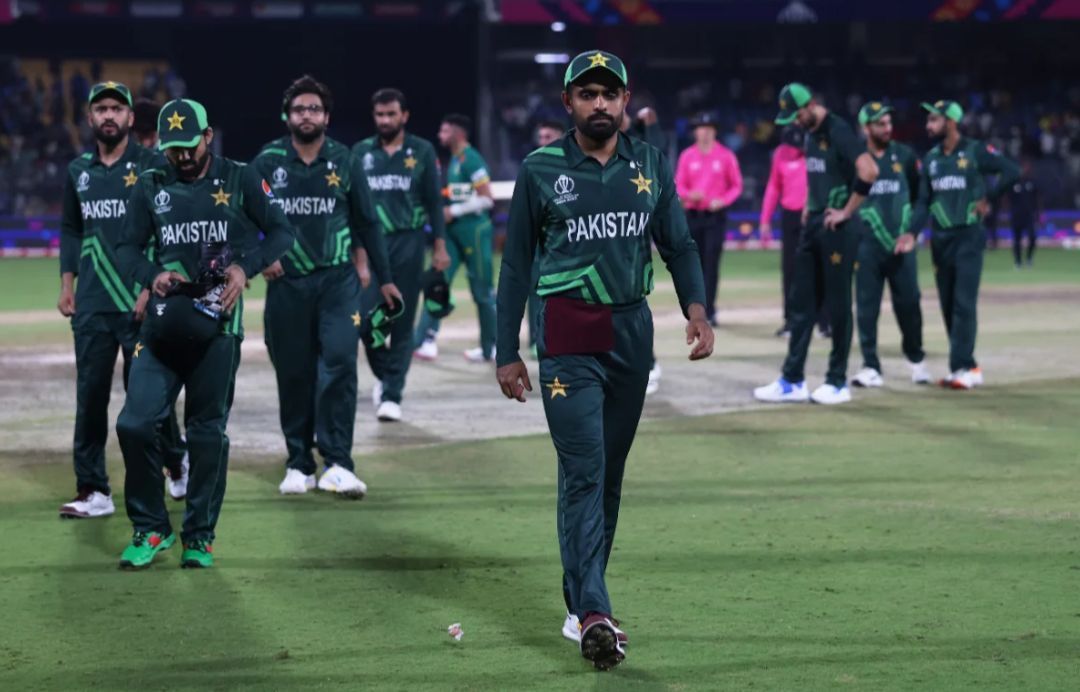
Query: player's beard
x=936 y=137
x=189 y=169
x=389 y=134
x=600 y=128
x=110 y=139
x=881 y=142
x=309 y=135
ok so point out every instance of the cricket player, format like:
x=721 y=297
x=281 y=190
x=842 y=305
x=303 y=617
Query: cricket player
x=887 y=249
x=196 y=203
x=312 y=315
x=402 y=173
x=954 y=193
x=105 y=308
x=469 y=236
x=593 y=202
x=840 y=173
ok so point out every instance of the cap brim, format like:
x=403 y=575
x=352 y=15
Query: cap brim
x=607 y=71
x=162 y=144
x=785 y=117
x=929 y=107
x=115 y=93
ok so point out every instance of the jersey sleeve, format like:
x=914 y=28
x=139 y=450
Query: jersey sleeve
x=912 y=166
x=71 y=229
x=522 y=234
x=366 y=232
x=268 y=216
x=847 y=145
x=672 y=237
x=991 y=161
x=431 y=194
x=922 y=198
x=136 y=234
x=476 y=169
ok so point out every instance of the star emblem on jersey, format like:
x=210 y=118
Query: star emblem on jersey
x=356 y=318
x=557 y=388
x=176 y=121
x=333 y=180
x=836 y=258
x=410 y=162
x=961 y=164
x=897 y=168
x=598 y=60
x=138 y=347
x=221 y=197
x=643 y=184
x=130 y=178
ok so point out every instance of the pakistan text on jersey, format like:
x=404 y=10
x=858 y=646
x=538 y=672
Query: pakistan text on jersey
x=949 y=182
x=815 y=165
x=885 y=187
x=390 y=182
x=308 y=205
x=104 y=209
x=610 y=225
x=195 y=232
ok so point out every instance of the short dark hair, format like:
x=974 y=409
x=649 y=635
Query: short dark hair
x=551 y=125
x=146 y=113
x=459 y=120
x=307 y=85
x=389 y=95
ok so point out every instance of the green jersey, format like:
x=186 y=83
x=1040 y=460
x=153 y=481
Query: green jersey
x=831 y=151
x=887 y=209
x=594 y=226
x=405 y=186
x=952 y=184
x=95 y=203
x=231 y=203
x=466 y=172
x=328 y=204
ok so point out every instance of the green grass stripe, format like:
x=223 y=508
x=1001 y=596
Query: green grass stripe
x=116 y=299
x=110 y=279
x=877 y=226
x=384 y=218
x=95 y=243
x=302 y=257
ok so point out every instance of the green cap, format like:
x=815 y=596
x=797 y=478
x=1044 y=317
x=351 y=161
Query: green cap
x=115 y=89
x=592 y=60
x=948 y=109
x=792 y=97
x=181 y=123
x=873 y=111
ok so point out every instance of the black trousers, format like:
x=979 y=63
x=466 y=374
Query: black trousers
x=708 y=228
x=790 y=228
x=1019 y=231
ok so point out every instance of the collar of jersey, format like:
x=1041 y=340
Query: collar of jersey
x=575 y=156
x=296 y=155
x=130 y=153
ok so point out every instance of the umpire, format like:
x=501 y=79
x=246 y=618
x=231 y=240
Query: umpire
x=204 y=214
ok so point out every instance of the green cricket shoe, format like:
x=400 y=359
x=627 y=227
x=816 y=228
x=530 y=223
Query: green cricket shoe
x=198 y=554
x=144 y=546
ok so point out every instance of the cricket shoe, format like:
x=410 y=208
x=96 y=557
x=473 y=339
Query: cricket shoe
x=88 y=504
x=782 y=391
x=964 y=379
x=143 y=547
x=389 y=412
x=198 y=554
x=654 y=380
x=831 y=394
x=571 y=628
x=337 y=479
x=296 y=482
x=476 y=355
x=428 y=351
x=376 y=393
x=868 y=377
x=919 y=373
x=602 y=642
x=178 y=486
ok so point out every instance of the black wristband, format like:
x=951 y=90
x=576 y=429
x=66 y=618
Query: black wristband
x=861 y=187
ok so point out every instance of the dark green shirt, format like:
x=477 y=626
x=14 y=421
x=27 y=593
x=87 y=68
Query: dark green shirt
x=951 y=184
x=831 y=151
x=466 y=172
x=887 y=209
x=95 y=203
x=231 y=203
x=594 y=226
x=405 y=190
x=328 y=204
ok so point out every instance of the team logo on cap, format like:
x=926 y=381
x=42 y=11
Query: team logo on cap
x=281 y=178
x=84 y=182
x=161 y=202
x=598 y=60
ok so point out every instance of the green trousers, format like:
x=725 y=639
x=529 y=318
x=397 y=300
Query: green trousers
x=958 y=261
x=98 y=336
x=875 y=266
x=311 y=331
x=390 y=365
x=824 y=262
x=469 y=244
x=208 y=376
x=593 y=404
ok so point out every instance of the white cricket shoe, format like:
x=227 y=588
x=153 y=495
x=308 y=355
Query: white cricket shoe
x=178 y=486
x=829 y=394
x=964 y=379
x=476 y=355
x=296 y=482
x=919 y=373
x=782 y=391
x=376 y=393
x=88 y=504
x=654 y=380
x=428 y=351
x=389 y=412
x=342 y=481
x=868 y=377
x=571 y=628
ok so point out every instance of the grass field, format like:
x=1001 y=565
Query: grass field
x=917 y=539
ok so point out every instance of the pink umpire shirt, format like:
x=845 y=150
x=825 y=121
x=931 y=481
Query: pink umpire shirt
x=787 y=182
x=715 y=174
